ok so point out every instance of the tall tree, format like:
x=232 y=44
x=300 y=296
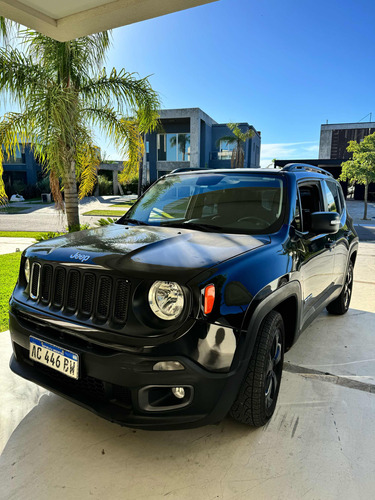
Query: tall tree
x=64 y=94
x=361 y=168
x=238 y=138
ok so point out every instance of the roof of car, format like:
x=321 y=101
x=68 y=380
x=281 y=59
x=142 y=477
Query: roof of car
x=297 y=169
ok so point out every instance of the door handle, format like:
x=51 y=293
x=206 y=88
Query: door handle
x=330 y=244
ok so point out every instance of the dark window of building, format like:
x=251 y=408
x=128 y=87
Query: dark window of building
x=341 y=138
x=147 y=151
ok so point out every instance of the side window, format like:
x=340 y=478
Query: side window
x=310 y=203
x=342 y=198
x=297 y=222
x=332 y=196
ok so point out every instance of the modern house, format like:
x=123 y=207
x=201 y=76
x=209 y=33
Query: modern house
x=22 y=168
x=188 y=137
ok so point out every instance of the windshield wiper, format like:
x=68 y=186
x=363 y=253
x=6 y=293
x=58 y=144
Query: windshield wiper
x=194 y=225
x=136 y=222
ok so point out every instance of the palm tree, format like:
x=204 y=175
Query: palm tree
x=238 y=138
x=63 y=94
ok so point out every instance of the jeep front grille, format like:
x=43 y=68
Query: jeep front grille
x=35 y=281
x=84 y=294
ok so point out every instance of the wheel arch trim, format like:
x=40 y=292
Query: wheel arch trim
x=256 y=313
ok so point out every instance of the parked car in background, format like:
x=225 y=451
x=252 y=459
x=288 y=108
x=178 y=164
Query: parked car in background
x=181 y=311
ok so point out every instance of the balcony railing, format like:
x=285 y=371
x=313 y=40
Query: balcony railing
x=220 y=155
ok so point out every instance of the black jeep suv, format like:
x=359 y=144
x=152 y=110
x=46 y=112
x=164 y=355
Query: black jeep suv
x=182 y=310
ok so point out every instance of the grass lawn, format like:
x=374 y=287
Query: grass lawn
x=9 y=266
x=13 y=210
x=126 y=204
x=20 y=234
x=109 y=213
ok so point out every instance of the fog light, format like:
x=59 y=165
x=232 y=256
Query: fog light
x=168 y=366
x=179 y=392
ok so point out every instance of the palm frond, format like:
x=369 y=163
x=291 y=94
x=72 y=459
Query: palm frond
x=230 y=139
x=19 y=76
x=70 y=60
x=135 y=150
x=123 y=132
x=8 y=29
x=87 y=162
x=124 y=91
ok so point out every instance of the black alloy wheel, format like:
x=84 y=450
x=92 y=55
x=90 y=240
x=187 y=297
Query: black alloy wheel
x=257 y=397
x=341 y=304
x=274 y=369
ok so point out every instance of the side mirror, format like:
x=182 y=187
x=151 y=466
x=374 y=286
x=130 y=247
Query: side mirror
x=325 y=222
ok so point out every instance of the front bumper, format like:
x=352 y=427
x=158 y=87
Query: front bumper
x=114 y=384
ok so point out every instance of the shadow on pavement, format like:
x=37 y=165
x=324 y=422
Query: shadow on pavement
x=366 y=233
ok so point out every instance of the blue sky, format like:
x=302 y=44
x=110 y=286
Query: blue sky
x=284 y=66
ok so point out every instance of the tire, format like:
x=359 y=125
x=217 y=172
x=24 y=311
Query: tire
x=341 y=304
x=257 y=397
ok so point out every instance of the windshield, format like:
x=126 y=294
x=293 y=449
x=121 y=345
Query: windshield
x=225 y=202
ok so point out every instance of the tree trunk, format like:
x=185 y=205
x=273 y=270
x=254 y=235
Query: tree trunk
x=140 y=177
x=366 y=197
x=71 y=199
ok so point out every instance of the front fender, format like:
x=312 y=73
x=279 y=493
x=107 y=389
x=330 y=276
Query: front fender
x=263 y=303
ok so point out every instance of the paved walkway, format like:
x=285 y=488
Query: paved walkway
x=356 y=209
x=10 y=245
x=320 y=444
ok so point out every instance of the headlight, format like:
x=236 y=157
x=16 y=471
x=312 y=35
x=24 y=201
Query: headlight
x=166 y=299
x=27 y=270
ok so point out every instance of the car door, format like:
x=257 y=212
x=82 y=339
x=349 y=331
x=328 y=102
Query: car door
x=335 y=203
x=315 y=257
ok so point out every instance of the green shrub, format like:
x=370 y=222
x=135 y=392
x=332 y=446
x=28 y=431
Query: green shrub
x=105 y=185
x=77 y=227
x=31 y=191
x=18 y=186
x=131 y=185
x=105 y=222
x=43 y=185
x=47 y=236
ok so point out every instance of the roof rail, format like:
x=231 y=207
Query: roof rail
x=186 y=169
x=291 y=167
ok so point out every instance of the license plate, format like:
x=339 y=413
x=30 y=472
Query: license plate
x=54 y=357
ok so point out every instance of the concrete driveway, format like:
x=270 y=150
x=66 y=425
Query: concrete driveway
x=320 y=444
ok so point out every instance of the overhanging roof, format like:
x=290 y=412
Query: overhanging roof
x=68 y=19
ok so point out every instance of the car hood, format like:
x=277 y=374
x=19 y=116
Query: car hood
x=146 y=250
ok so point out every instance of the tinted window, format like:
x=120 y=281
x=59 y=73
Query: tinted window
x=297 y=222
x=240 y=203
x=310 y=203
x=332 y=196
